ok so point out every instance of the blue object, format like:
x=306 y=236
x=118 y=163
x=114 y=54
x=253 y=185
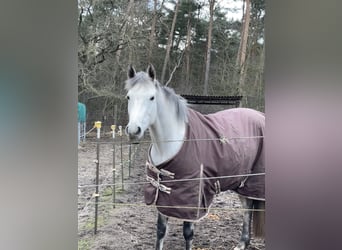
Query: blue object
x=81 y=112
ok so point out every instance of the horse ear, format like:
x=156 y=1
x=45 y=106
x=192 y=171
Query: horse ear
x=131 y=71
x=151 y=72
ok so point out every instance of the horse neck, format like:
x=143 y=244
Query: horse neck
x=167 y=135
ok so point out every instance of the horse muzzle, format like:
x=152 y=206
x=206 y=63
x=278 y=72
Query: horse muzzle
x=133 y=132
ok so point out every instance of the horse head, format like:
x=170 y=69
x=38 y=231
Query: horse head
x=142 y=90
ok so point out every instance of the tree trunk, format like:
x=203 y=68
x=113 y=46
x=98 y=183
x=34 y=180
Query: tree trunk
x=187 y=51
x=238 y=57
x=207 y=64
x=153 y=32
x=241 y=59
x=123 y=31
x=259 y=77
x=124 y=26
x=169 y=44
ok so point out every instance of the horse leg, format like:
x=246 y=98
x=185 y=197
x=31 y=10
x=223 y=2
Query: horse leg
x=188 y=233
x=246 y=225
x=259 y=219
x=161 y=230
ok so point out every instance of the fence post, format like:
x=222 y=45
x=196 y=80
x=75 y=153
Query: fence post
x=84 y=131
x=136 y=151
x=122 y=169
x=98 y=127
x=130 y=159
x=114 y=189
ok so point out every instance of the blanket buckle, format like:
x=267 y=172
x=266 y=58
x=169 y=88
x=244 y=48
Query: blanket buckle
x=158 y=185
x=223 y=139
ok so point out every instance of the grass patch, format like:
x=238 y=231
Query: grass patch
x=107 y=191
x=85 y=244
x=119 y=190
x=90 y=224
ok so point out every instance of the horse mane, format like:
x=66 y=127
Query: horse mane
x=178 y=101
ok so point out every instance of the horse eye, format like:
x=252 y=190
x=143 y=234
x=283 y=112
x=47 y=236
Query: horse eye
x=127 y=97
x=152 y=98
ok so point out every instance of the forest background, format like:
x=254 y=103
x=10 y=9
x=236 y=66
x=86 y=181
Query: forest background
x=197 y=47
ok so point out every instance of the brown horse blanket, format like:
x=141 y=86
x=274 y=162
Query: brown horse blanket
x=184 y=186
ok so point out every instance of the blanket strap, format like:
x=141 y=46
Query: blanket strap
x=157 y=185
x=160 y=171
x=217 y=187
x=242 y=184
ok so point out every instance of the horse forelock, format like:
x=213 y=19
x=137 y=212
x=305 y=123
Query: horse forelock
x=139 y=78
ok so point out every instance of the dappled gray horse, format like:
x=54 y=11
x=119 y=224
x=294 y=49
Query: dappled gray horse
x=193 y=156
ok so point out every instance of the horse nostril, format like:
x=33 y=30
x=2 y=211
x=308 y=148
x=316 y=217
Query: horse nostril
x=138 y=131
x=126 y=130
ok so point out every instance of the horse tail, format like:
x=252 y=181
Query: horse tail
x=259 y=219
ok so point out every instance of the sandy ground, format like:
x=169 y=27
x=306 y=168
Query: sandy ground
x=132 y=224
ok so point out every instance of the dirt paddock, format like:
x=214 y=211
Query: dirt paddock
x=132 y=224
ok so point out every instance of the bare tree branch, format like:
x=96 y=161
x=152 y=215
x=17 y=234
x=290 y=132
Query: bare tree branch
x=175 y=68
x=80 y=17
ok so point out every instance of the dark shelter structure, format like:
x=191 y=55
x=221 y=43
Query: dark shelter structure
x=211 y=104
x=213 y=100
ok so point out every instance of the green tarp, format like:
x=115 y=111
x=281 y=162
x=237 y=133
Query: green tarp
x=81 y=112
